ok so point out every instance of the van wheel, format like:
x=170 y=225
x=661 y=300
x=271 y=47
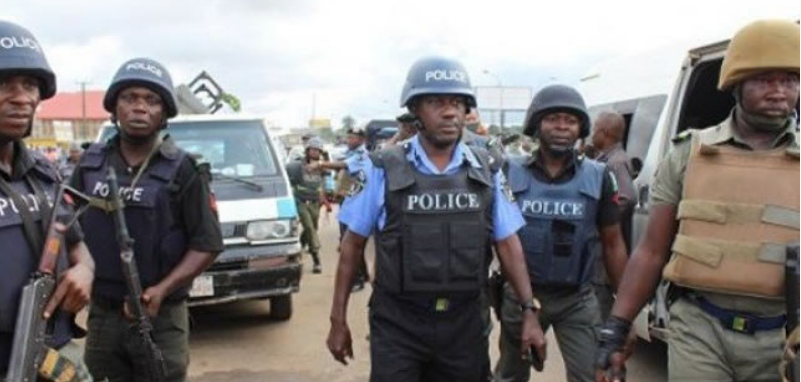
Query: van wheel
x=281 y=307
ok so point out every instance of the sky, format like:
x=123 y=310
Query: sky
x=293 y=60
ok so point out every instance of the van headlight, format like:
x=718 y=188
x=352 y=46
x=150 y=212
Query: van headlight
x=268 y=229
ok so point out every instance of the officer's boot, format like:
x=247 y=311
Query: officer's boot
x=317 y=268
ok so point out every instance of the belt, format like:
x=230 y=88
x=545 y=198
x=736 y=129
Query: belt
x=430 y=302
x=739 y=322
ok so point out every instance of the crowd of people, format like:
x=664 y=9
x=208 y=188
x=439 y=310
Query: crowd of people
x=442 y=201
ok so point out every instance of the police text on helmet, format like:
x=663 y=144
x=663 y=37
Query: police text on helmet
x=15 y=42
x=446 y=75
x=442 y=202
x=144 y=66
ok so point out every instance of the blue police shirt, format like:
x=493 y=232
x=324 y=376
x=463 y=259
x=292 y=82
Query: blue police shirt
x=355 y=161
x=366 y=210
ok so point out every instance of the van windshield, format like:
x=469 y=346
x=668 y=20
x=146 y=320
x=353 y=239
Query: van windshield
x=232 y=148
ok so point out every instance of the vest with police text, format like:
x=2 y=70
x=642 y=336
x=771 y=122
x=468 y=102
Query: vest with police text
x=739 y=211
x=561 y=223
x=438 y=227
x=17 y=260
x=159 y=240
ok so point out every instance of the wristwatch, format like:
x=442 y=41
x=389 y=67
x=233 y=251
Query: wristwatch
x=532 y=304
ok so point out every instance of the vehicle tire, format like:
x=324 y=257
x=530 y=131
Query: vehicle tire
x=281 y=307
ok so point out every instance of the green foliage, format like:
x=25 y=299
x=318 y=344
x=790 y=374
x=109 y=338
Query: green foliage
x=232 y=101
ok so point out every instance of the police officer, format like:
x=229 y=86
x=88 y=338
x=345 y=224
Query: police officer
x=727 y=199
x=607 y=137
x=569 y=203
x=435 y=207
x=306 y=178
x=67 y=166
x=170 y=214
x=28 y=185
x=406 y=129
x=351 y=180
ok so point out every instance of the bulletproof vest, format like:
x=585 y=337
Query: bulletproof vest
x=739 y=211
x=561 y=223
x=18 y=261
x=159 y=240
x=438 y=228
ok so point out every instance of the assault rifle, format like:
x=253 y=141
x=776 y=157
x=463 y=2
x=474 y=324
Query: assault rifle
x=155 y=360
x=30 y=332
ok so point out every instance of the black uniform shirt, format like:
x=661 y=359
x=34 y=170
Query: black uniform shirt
x=193 y=205
x=608 y=209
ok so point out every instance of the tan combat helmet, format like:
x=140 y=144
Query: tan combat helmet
x=759 y=46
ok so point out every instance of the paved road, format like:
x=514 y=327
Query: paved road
x=238 y=342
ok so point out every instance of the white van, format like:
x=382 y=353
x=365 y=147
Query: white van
x=256 y=208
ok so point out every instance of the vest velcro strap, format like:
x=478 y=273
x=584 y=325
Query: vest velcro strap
x=773 y=253
x=734 y=213
x=698 y=249
x=781 y=216
x=711 y=251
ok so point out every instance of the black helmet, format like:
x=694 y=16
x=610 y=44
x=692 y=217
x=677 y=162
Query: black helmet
x=142 y=72
x=406 y=118
x=437 y=75
x=556 y=98
x=21 y=53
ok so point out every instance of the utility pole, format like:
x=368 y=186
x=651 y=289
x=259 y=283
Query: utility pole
x=314 y=107
x=83 y=129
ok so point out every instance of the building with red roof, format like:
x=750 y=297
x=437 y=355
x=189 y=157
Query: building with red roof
x=69 y=117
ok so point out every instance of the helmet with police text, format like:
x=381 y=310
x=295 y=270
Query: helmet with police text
x=760 y=46
x=556 y=98
x=315 y=143
x=437 y=75
x=21 y=53
x=146 y=73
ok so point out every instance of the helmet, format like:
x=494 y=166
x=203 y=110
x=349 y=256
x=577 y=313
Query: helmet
x=21 y=53
x=552 y=99
x=406 y=118
x=761 y=45
x=314 y=143
x=142 y=72
x=437 y=75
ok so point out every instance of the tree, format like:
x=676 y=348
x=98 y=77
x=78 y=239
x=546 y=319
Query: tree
x=348 y=122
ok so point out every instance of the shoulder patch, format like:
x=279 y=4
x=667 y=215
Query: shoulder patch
x=506 y=189
x=358 y=181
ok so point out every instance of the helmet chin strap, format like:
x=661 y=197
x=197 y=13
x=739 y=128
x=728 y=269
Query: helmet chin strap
x=759 y=122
